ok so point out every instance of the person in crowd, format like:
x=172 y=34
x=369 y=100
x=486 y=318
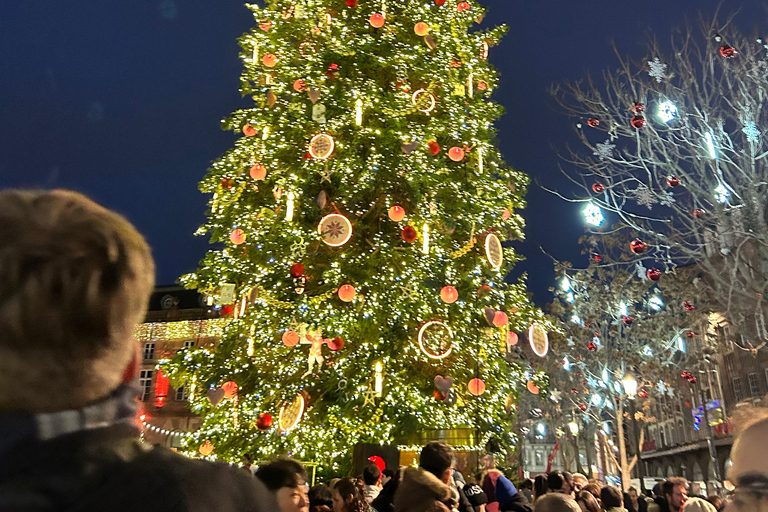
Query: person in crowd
x=716 y=502
x=75 y=279
x=539 y=487
x=287 y=480
x=560 y=482
x=749 y=472
x=698 y=505
x=332 y=483
x=490 y=476
x=476 y=497
x=421 y=491
x=633 y=502
x=385 y=501
x=526 y=488
x=556 y=502
x=587 y=502
x=612 y=499
x=320 y=499
x=349 y=496
x=508 y=498
x=579 y=481
x=372 y=479
x=594 y=489
x=673 y=493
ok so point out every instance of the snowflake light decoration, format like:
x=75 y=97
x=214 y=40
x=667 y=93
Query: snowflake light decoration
x=641 y=271
x=593 y=215
x=751 y=131
x=658 y=70
x=661 y=388
x=604 y=150
x=667 y=198
x=644 y=196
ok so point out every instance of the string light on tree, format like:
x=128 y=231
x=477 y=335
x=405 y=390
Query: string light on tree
x=667 y=111
x=593 y=215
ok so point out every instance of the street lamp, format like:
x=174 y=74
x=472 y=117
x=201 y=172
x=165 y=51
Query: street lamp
x=574 y=428
x=630 y=388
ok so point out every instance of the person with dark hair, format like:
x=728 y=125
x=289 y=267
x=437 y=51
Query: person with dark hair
x=287 y=480
x=371 y=478
x=320 y=499
x=540 y=487
x=526 y=488
x=633 y=502
x=386 y=476
x=671 y=495
x=385 y=501
x=612 y=499
x=560 y=482
x=587 y=502
x=593 y=488
x=75 y=280
x=349 y=496
x=476 y=497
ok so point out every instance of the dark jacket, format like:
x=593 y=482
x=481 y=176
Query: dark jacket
x=509 y=499
x=110 y=469
x=658 y=504
x=385 y=501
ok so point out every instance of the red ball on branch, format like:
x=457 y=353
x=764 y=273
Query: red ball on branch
x=227 y=183
x=438 y=395
x=699 y=213
x=249 y=131
x=637 y=246
x=653 y=274
x=409 y=234
x=297 y=270
x=463 y=6
x=439 y=3
x=434 y=147
x=638 y=108
x=597 y=258
x=591 y=346
x=642 y=393
x=628 y=320
x=688 y=306
x=637 y=122
x=264 y=421
x=673 y=181
x=336 y=344
x=593 y=122
x=351 y=3
x=597 y=187
x=583 y=407
x=728 y=51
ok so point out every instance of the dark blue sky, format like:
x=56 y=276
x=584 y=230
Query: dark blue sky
x=122 y=101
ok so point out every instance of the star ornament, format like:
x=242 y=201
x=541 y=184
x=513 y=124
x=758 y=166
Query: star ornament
x=555 y=395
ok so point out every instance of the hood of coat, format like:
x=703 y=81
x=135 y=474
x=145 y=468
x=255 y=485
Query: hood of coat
x=422 y=486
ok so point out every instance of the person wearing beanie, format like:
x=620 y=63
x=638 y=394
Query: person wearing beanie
x=477 y=498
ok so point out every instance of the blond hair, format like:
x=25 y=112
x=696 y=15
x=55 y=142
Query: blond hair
x=75 y=279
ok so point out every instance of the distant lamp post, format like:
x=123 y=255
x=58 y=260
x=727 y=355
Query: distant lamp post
x=629 y=382
x=574 y=428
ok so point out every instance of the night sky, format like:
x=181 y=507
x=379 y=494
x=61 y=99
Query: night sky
x=122 y=101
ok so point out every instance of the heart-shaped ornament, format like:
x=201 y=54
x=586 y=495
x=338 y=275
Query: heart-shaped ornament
x=443 y=383
x=490 y=314
x=216 y=396
x=408 y=147
x=314 y=95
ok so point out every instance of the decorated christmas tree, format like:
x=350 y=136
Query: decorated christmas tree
x=359 y=227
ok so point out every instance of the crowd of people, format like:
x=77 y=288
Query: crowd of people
x=75 y=279
x=437 y=486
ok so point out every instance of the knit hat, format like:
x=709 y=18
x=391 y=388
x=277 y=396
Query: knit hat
x=698 y=505
x=504 y=489
x=475 y=495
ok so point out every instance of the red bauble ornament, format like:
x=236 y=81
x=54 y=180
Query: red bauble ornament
x=728 y=51
x=351 y=3
x=456 y=154
x=297 y=270
x=637 y=246
x=642 y=393
x=439 y=3
x=637 y=122
x=482 y=85
x=597 y=187
x=397 y=213
x=230 y=389
x=500 y=319
x=593 y=122
x=597 y=258
x=290 y=339
x=347 y=292
x=376 y=20
x=438 y=395
x=698 y=213
x=653 y=274
x=638 y=108
x=265 y=25
x=573 y=390
x=269 y=60
x=673 y=181
x=476 y=387
x=434 y=147
x=449 y=294
x=688 y=306
x=237 y=236
x=591 y=346
x=227 y=183
x=227 y=310
x=463 y=6
x=258 y=172
x=336 y=344
x=583 y=407
x=249 y=131
x=690 y=334
x=628 y=320
x=264 y=421
x=409 y=234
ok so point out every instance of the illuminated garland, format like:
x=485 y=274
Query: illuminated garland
x=184 y=330
x=166 y=431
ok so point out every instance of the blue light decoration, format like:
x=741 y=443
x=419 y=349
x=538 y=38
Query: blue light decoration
x=593 y=215
x=667 y=111
x=655 y=303
x=647 y=351
x=566 y=364
x=722 y=194
x=565 y=284
x=575 y=319
x=541 y=429
x=710 y=140
x=623 y=310
x=597 y=400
